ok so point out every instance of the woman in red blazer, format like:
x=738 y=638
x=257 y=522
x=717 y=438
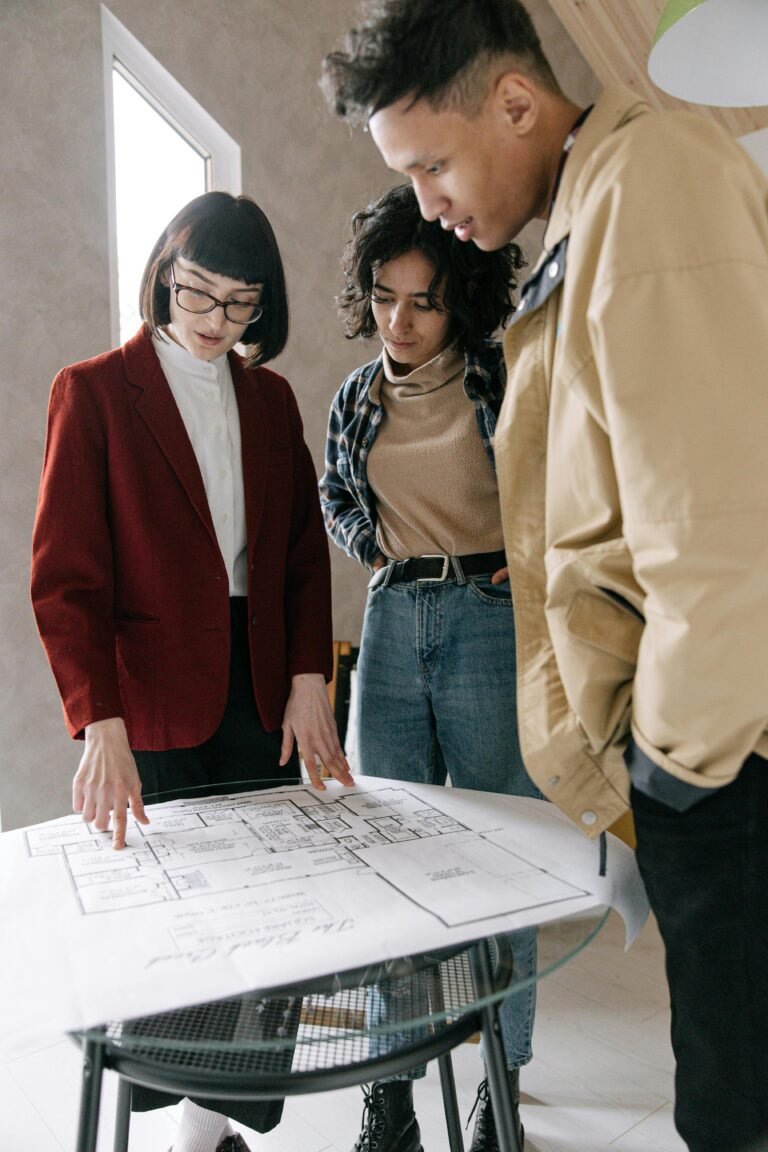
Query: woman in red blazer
x=180 y=574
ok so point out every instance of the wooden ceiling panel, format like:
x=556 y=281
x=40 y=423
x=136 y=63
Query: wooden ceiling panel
x=615 y=37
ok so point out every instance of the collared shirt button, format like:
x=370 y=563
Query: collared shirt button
x=364 y=441
x=589 y=818
x=553 y=269
x=553 y=782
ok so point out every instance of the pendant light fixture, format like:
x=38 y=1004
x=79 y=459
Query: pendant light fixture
x=713 y=52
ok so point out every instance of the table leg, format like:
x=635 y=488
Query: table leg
x=450 y=1103
x=90 y=1098
x=122 y=1115
x=445 y=1065
x=493 y=1051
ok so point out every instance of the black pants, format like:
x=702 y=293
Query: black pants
x=706 y=874
x=240 y=755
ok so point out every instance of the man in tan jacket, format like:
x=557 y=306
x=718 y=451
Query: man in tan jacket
x=631 y=455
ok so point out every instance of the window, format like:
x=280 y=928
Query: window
x=162 y=150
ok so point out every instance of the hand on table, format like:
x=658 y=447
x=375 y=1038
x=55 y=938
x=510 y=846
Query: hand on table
x=310 y=722
x=107 y=780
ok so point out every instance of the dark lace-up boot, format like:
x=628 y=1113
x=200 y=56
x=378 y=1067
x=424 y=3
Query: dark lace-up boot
x=389 y=1122
x=233 y=1143
x=485 y=1137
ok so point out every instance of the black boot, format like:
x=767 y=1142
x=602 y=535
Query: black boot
x=389 y=1122
x=485 y=1138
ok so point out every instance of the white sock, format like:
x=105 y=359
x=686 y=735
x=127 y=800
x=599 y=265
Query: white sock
x=200 y=1130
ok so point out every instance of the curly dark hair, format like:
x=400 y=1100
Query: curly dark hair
x=478 y=286
x=438 y=50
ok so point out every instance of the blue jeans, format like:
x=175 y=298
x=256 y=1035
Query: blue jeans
x=436 y=698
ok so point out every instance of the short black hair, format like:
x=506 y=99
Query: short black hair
x=477 y=286
x=230 y=236
x=428 y=49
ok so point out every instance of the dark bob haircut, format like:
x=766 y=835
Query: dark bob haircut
x=229 y=236
x=437 y=50
x=477 y=286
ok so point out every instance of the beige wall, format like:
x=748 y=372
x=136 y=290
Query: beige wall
x=253 y=65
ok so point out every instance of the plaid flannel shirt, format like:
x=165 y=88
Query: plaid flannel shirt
x=348 y=505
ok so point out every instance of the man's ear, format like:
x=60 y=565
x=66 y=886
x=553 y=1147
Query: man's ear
x=517 y=98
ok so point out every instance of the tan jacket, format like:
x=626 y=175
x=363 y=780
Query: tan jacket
x=632 y=453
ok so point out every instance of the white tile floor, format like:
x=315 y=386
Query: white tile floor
x=601 y=1076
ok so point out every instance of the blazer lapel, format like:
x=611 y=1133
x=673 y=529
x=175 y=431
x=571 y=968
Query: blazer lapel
x=157 y=408
x=255 y=439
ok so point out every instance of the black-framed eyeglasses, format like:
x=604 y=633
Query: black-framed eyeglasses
x=193 y=300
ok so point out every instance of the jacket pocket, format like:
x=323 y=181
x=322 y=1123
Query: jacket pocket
x=600 y=620
x=596 y=641
x=342 y=463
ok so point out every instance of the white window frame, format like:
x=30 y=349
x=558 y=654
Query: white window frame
x=221 y=153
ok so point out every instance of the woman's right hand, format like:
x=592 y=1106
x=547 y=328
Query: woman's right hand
x=107 y=780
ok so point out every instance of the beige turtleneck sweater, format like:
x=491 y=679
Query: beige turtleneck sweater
x=434 y=485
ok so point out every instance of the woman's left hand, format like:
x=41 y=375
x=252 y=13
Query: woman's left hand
x=310 y=722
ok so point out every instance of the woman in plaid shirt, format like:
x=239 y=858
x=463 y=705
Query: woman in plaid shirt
x=410 y=491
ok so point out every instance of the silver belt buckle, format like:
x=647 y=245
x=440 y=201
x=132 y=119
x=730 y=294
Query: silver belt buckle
x=435 y=579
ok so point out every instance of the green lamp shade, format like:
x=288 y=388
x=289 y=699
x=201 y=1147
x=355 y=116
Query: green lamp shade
x=713 y=52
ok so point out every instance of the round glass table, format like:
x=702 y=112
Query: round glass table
x=328 y=1032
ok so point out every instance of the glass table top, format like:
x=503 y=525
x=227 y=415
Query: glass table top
x=343 y=1019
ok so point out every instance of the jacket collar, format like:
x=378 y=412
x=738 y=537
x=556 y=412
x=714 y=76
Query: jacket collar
x=614 y=108
x=157 y=408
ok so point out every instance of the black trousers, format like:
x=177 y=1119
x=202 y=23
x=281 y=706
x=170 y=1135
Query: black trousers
x=240 y=755
x=706 y=874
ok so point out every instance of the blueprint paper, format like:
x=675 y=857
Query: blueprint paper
x=224 y=895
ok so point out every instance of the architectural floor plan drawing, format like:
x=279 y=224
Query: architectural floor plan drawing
x=223 y=895
x=210 y=846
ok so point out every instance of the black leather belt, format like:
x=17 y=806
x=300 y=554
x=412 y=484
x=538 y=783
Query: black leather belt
x=437 y=569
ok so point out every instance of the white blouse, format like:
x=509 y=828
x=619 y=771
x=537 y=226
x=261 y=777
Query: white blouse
x=205 y=397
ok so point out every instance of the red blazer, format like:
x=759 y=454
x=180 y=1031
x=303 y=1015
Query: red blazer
x=128 y=584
